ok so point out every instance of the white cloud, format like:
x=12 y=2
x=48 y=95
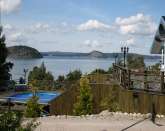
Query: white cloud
x=7 y=27
x=130 y=41
x=9 y=5
x=92 y=43
x=64 y=24
x=139 y=24
x=17 y=38
x=93 y=25
x=39 y=27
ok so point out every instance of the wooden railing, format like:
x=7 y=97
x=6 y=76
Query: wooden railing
x=122 y=75
x=144 y=80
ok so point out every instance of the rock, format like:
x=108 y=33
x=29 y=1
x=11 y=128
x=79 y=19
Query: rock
x=148 y=115
x=130 y=114
x=134 y=114
x=139 y=114
x=58 y=116
x=158 y=116
x=162 y=116
x=104 y=113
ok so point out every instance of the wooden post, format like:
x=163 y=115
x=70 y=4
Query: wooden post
x=162 y=82
x=145 y=80
x=129 y=79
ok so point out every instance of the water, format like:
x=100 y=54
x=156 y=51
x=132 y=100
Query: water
x=63 y=66
x=44 y=97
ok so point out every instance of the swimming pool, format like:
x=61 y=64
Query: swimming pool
x=44 y=97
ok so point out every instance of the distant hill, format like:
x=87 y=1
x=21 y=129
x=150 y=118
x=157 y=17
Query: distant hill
x=93 y=54
x=96 y=54
x=23 y=52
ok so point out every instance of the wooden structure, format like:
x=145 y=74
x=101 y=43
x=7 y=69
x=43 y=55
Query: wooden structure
x=145 y=81
x=138 y=91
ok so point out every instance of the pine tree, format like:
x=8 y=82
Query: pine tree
x=84 y=103
x=4 y=66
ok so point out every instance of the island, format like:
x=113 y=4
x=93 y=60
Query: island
x=92 y=55
x=23 y=52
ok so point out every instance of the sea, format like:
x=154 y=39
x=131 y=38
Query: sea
x=62 y=66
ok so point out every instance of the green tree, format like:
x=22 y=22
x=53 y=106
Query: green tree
x=5 y=67
x=84 y=100
x=60 y=78
x=100 y=71
x=43 y=80
x=33 y=109
x=135 y=62
x=110 y=70
x=74 y=75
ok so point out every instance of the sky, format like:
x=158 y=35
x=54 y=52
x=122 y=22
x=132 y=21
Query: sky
x=81 y=25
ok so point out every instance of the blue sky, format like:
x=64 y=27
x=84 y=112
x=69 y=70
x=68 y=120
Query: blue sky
x=81 y=25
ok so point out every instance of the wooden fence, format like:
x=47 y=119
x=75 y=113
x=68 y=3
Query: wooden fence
x=146 y=80
x=129 y=100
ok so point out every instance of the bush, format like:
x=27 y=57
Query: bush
x=110 y=70
x=10 y=121
x=100 y=71
x=60 y=78
x=33 y=109
x=74 y=75
x=84 y=103
x=135 y=62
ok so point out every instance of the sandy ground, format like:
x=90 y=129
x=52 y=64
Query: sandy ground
x=105 y=122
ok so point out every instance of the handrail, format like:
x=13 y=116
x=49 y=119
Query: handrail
x=128 y=78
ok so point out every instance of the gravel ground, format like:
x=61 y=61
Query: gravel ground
x=105 y=121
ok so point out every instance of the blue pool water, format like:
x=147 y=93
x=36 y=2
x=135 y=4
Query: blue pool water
x=44 y=97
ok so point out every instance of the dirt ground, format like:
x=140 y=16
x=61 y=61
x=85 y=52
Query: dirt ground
x=117 y=122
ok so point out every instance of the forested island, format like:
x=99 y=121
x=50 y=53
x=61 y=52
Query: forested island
x=23 y=52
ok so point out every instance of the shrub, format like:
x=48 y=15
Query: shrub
x=33 y=109
x=60 y=78
x=100 y=71
x=135 y=62
x=84 y=103
x=11 y=121
x=74 y=75
x=110 y=70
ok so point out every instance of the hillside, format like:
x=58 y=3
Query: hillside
x=96 y=54
x=23 y=52
x=93 y=54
